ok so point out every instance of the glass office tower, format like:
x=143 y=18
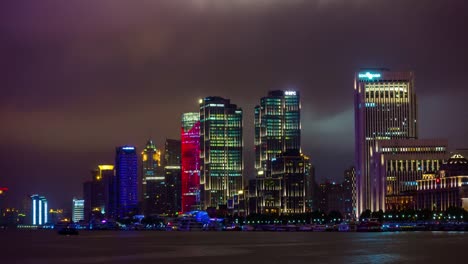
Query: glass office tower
x=277 y=130
x=221 y=146
x=385 y=108
x=126 y=172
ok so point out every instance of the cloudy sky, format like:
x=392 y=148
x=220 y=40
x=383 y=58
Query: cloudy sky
x=81 y=77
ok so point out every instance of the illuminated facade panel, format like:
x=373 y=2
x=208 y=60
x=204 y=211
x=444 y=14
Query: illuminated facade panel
x=221 y=146
x=190 y=162
x=126 y=176
x=39 y=210
x=384 y=108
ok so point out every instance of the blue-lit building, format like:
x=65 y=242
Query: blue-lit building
x=39 y=210
x=126 y=173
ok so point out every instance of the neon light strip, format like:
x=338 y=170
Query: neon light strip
x=34 y=212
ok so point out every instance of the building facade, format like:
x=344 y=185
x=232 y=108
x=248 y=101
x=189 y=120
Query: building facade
x=221 y=151
x=78 y=210
x=292 y=170
x=39 y=210
x=172 y=174
x=349 y=193
x=448 y=188
x=190 y=162
x=277 y=130
x=398 y=164
x=385 y=108
x=126 y=173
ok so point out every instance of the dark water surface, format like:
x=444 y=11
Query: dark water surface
x=232 y=247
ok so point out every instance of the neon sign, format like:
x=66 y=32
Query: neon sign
x=128 y=148
x=369 y=75
x=290 y=93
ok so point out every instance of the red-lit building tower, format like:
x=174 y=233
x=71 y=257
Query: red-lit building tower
x=190 y=159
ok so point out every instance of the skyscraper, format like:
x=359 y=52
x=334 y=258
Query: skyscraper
x=190 y=161
x=126 y=173
x=98 y=192
x=153 y=184
x=173 y=175
x=39 y=210
x=78 y=210
x=384 y=108
x=277 y=130
x=221 y=146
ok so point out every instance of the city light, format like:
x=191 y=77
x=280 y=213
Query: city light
x=369 y=75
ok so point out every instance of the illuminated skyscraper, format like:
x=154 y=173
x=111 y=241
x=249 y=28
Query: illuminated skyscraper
x=190 y=161
x=172 y=175
x=78 y=210
x=153 y=184
x=221 y=149
x=277 y=130
x=385 y=108
x=126 y=173
x=39 y=210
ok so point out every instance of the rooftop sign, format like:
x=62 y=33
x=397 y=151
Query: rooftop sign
x=369 y=75
x=290 y=93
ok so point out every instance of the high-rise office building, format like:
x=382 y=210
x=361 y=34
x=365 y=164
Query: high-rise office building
x=126 y=173
x=221 y=146
x=385 y=108
x=153 y=181
x=39 y=210
x=172 y=175
x=78 y=210
x=98 y=193
x=190 y=161
x=277 y=130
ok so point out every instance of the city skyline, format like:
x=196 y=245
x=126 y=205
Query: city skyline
x=55 y=69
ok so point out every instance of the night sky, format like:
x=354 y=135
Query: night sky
x=81 y=77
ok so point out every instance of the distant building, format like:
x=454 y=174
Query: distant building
x=398 y=164
x=97 y=193
x=10 y=217
x=153 y=180
x=172 y=173
x=39 y=210
x=56 y=215
x=448 y=188
x=78 y=210
x=385 y=108
x=221 y=151
x=190 y=162
x=292 y=170
x=349 y=193
x=3 y=193
x=126 y=172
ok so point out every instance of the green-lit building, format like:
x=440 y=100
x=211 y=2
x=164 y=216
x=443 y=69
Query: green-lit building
x=277 y=130
x=221 y=146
